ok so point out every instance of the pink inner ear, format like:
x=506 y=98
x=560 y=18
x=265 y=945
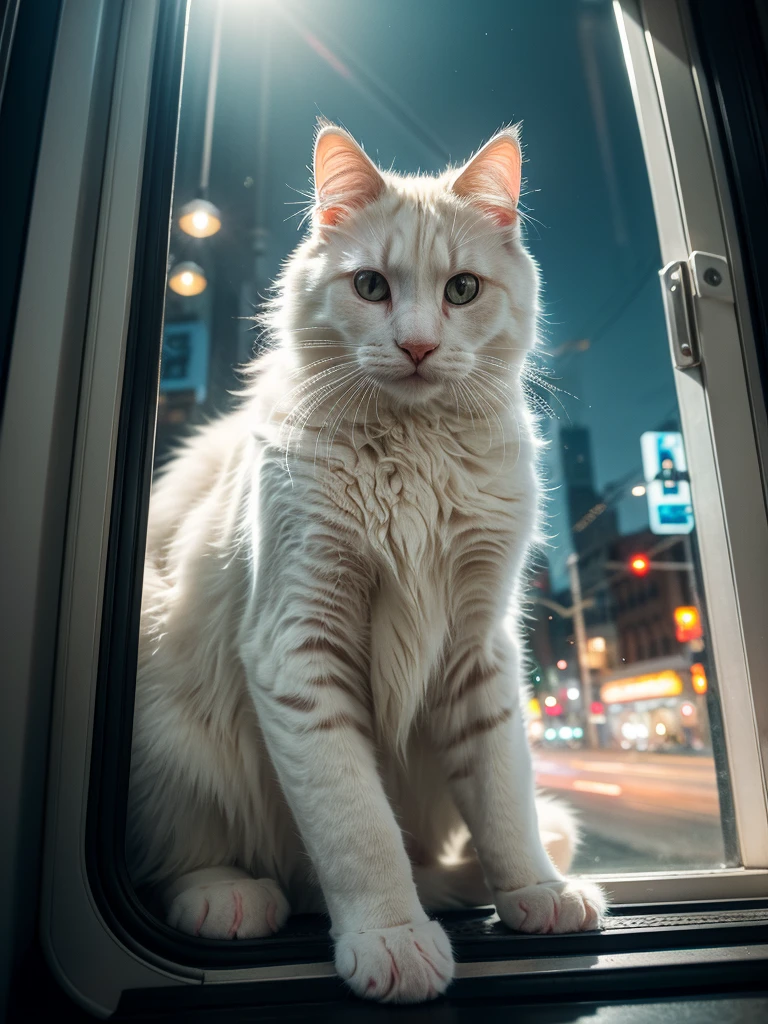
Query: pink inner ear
x=492 y=179
x=345 y=178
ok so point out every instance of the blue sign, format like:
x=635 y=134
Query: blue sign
x=184 y=361
x=666 y=482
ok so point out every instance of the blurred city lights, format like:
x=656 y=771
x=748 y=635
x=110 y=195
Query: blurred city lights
x=578 y=732
x=562 y=664
x=550 y=734
x=687 y=710
x=687 y=624
x=698 y=678
x=536 y=729
x=566 y=733
x=596 y=644
x=638 y=490
x=661 y=729
x=572 y=693
x=550 y=701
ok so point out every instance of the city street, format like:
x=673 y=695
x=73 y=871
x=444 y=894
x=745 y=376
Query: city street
x=638 y=811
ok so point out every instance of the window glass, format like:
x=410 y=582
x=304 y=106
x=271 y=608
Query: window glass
x=624 y=714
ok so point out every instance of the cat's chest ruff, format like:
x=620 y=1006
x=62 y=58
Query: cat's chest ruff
x=409 y=489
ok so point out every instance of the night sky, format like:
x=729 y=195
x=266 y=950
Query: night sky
x=419 y=82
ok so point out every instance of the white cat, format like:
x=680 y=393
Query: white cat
x=328 y=691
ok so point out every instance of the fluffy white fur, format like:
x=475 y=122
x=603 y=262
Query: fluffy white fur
x=328 y=703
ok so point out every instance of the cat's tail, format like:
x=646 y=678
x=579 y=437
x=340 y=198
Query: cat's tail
x=462 y=884
x=559 y=830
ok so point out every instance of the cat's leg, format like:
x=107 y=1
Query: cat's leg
x=225 y=903
x=487 y=758
x=307 y=667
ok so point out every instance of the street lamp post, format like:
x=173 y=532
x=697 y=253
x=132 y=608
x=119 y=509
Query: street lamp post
x=581 y=649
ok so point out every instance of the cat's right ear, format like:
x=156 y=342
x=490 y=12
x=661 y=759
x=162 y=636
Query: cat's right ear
x=345 y=178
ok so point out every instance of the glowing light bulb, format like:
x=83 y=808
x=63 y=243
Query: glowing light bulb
x=550 y=701
x=187 y=279
x=200 y=219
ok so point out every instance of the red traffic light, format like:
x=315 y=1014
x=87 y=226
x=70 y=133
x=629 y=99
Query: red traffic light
x=597 y=707
x=639 y=565
x=553 y=709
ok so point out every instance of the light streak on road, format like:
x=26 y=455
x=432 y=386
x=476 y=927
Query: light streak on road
x=603 y=788
x=663 y=806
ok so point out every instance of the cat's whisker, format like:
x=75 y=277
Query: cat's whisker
x=368 y=384
x=310 y=383
x=456 y=398
x=354 y=388
x=494 y=361
x=317 y=362
x=506 y=391
x=326 y=421
x=301 y=415
x=315 y=397
x=462 y=388
x=540 y=404
x=351 y=386
x=552 y=391
x=480 y=406
x=548 y=385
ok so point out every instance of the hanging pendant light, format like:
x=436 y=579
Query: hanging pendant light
x=200 y=218
x=187 y=279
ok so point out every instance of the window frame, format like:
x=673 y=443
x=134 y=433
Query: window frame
x=728 y=414
x=106 y=521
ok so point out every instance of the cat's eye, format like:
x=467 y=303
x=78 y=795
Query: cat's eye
x=461 y=289
x=371 y=285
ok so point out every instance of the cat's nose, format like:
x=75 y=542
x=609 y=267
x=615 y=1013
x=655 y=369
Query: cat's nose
x=417 y=349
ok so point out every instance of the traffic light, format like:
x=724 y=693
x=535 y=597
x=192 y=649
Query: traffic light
x=698 y=678
x=639 y=565
x=687 y=624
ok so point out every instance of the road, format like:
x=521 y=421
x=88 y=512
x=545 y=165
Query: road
x=639 y=812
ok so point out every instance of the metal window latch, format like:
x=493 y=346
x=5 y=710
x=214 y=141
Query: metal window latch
x=683 y=284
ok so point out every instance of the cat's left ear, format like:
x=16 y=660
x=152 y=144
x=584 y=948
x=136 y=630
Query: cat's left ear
x=345 y=178
x=491 y=179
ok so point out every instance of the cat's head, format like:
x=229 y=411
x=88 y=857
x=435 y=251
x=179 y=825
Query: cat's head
x=418 y=284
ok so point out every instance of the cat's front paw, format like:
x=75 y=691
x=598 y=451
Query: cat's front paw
x=407 y=964
x=245 y=908
x=552 y=907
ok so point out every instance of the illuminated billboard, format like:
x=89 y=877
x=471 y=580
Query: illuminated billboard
x=658 y=684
